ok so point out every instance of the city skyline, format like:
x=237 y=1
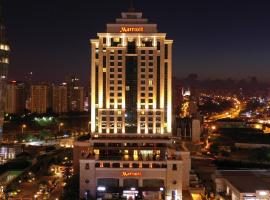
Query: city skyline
x=215 y=40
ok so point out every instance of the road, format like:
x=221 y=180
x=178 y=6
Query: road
x=231 y=113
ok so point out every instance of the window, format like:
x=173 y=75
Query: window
x=86 y=181
x=112 y=57
x=87 y=166
x=174 y=167
x=111 y=63
x=143 y=57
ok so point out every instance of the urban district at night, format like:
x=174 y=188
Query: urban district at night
x=134 y=100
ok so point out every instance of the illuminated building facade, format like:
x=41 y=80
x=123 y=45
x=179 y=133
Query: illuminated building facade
x=131 y=167
x=39 y=98
x=131 y=78
x=59 y=98
x=15 y=98
x=4 y=62
x=130 y=154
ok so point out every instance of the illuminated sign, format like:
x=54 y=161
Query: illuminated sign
x=132 y=29
x=126 y=174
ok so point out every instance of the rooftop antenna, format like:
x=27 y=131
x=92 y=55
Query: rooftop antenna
x=131 y=6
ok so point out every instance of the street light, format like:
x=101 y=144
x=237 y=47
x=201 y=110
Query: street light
x=23 y=127
x=59 y=126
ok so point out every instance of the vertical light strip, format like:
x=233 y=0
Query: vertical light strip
x=108 y=40
x=169 y=96
x=124 y=43
x=162 y=74
x=155 y=41
x=93 y=87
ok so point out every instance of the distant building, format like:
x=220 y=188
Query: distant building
x=59 y=99
x=230 y=123
x=15 y=98
x=242 y=184
x=75 y=94
x=188 y=129
x=77 y=99
x=39 y=98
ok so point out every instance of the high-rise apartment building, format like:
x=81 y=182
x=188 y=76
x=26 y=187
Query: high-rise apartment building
x=131 y=154
x=15 y=98
x=4 y=62
x=39 y=99
x=131 y=78
x=59 y=98
x=77 y=99
x=75 y=94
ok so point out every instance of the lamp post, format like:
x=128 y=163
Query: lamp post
x=59 y=126
x=23 y=127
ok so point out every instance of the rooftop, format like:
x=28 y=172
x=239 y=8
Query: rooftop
x=242 y=179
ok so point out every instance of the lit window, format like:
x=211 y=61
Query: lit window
x=116 y=39
x=150 y=82
x=104 y=69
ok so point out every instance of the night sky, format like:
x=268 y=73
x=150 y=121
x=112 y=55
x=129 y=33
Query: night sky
x=213 y=38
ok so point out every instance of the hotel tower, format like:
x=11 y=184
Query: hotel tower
x=131 y=154
x=4 y=62
x=131 y=78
